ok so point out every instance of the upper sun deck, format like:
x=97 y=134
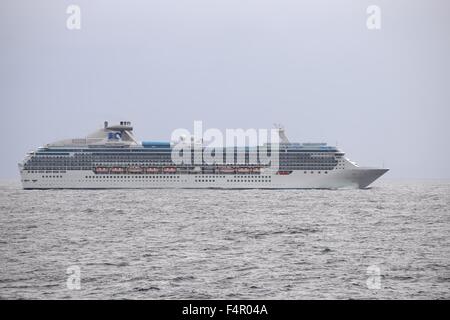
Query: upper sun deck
x=119 y=137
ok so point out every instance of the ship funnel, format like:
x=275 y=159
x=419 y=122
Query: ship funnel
x=281 y=133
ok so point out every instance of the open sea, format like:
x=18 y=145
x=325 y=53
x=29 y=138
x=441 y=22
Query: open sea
x=391 y=241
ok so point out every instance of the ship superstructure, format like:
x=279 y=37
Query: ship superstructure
x=112 y=158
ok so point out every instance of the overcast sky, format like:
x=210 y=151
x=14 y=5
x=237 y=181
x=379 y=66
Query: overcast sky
x=314 y=66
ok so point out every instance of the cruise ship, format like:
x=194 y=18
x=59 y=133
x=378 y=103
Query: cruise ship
x=111 y=157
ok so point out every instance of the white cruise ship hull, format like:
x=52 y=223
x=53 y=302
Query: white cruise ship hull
x=356 y=177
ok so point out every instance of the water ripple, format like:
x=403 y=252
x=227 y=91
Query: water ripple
x=239 y=244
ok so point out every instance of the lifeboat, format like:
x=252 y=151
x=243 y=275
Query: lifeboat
x=101 y=170
x=243 y=170
x=152 y=170
x=117 y=170
x=256 y=170
x=135 y=170
x=170 y=170
x=284 y=173
x=226 y=170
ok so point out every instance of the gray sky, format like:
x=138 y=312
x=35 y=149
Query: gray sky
x=383 y=95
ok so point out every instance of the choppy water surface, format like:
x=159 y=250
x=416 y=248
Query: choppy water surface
x=212 y=244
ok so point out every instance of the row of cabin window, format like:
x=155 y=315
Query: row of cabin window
x=326 y=172
x=130 y=177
